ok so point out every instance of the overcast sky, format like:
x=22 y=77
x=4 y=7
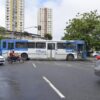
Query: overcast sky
x=63 y=10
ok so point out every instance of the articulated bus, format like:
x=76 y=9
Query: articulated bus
x=45 y=49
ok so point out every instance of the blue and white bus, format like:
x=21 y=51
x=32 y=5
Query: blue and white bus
x=45 y=49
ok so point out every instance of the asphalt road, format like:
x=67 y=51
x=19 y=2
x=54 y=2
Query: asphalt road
x=49 y=80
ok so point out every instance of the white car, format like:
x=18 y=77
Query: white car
x=97 y=68
x=2 y=60
x=95 y=53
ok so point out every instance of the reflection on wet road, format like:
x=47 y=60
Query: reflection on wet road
x=8 y=87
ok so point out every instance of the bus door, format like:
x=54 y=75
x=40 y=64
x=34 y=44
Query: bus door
x=51 y=50
x=81 y=51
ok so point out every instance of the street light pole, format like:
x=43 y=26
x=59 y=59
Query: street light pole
x=38 y=27
x=12 y=35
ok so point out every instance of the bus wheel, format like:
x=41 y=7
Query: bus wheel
x=70 y=57
x=24 y=56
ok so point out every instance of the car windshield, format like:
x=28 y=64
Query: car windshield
x=98 y=52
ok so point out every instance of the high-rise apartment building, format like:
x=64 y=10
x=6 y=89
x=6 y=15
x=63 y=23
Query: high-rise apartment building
x=45 y=21
x=15 y=15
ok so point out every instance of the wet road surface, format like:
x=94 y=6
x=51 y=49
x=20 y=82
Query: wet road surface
x=49 y=80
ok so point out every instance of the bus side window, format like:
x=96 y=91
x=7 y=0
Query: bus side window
x=4 y=44
x=61 y=45
x=21 y=45
x=31 y=45
x=70 y=46
x=40 y=45
x=10 y=46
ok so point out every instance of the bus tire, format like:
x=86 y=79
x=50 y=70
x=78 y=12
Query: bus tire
x=24 y=56
x=70 y=57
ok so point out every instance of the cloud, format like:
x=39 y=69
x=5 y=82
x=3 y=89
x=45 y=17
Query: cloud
x=40 y=3
x=2 y=13
x=30 y=15
x=31 y=20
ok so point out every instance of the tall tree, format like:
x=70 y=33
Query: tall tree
x=2 y=30
x=86 y=27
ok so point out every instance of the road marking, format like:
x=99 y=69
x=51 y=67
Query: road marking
x=34 y=65
x=54 y=88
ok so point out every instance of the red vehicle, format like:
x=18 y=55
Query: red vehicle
x=98 y=57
